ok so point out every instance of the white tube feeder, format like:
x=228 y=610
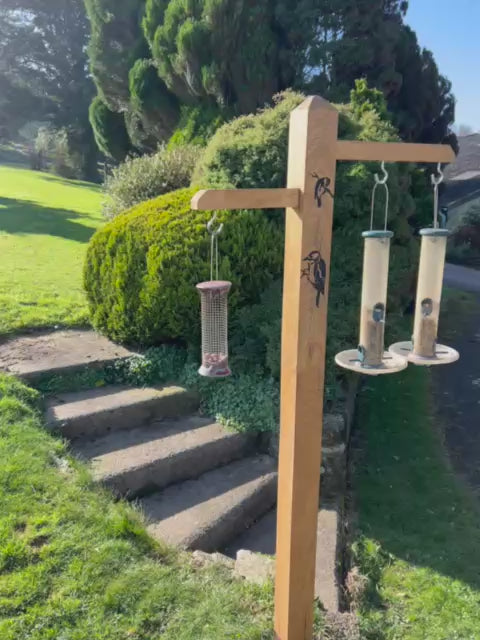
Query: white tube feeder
x=214 y=315
x=370 y=356
x=423 y=348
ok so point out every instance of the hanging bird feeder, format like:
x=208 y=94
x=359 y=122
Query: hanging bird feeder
x=370 y=356
x=214 y=315
x=423 y=348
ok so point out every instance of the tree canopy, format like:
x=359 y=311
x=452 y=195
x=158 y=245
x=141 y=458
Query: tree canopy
x=44 y=67
x=151 y=59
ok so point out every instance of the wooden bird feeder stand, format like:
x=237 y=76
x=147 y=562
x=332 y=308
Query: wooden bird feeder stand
x=313 y=153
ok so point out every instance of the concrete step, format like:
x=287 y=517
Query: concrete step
x=140 y=460
x=260 y=538
x=97 y=411
x=206 y=513
x=58 y=353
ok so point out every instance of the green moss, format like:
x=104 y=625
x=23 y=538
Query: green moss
x=142 y=268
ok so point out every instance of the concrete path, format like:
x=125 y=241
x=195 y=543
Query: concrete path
x=57 y=352
x=457 y=387
x=463 y=278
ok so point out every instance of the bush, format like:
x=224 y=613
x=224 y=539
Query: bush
x=251 y=151
x=53 y=144
x=140 y=179
x=141 y=268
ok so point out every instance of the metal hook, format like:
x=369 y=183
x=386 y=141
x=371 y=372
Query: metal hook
x=378 y=181
x=385 y=175
x=210 y=224
x=435 y=182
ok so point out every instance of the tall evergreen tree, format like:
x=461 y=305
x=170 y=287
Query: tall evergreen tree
x=153 y=58
x=43 y=56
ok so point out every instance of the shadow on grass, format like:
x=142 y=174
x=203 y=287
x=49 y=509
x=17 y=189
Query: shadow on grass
x=23 y=216
x=71 y=182
x=408 y=499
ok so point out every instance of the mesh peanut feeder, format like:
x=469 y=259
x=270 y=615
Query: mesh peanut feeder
x=370 y=356
x=214 y=316
x=423 y=348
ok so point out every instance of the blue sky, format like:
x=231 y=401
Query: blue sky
x=451 y=30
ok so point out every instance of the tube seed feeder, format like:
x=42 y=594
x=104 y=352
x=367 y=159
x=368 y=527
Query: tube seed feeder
x=214 y=316
x=423 y=348
x=370 y=357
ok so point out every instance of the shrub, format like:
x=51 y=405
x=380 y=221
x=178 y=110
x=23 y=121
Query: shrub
x=142 y=267
x=251 y=151
x=140 y=179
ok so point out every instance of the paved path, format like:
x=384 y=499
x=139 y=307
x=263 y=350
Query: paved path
x=462 y=278
x=457 y=387
x=33 y=355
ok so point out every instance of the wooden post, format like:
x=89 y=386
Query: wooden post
x=313 y=152
x=308 y=239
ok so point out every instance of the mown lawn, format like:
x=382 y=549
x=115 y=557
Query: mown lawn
x=45 y=225
x=418 y=528
x=75 y=565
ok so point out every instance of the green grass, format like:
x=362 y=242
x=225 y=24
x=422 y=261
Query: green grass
x=45 y=225
x=75 y=565
x=418 y=528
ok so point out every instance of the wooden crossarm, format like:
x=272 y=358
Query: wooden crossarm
x=394 y=151
x=210 y=199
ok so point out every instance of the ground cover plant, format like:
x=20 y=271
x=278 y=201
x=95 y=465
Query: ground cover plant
x=76 y=565
x=45 y=225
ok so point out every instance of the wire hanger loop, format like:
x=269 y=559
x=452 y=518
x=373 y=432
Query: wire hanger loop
x=214 y=233
x=380 y=181
x=436 y=182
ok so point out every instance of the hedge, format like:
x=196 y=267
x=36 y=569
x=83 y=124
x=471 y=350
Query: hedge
x=142 y=267
x=251 y=151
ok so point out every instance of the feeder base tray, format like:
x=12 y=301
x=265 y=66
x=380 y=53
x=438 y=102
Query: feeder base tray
x=391 y=363
x=443 y=354
x=212 y=372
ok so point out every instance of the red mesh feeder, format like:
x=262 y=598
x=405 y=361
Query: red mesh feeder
x=214 y=313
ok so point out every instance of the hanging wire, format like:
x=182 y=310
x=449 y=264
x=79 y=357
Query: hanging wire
x=435 y=182
x=214 y=233
x=378 y=181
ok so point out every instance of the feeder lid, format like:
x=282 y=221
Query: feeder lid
x=434 y=232
x=377 y=234
x=214 y=285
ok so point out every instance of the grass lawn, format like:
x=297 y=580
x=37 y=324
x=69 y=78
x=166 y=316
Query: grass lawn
x=419 y=529
x=45 y=225
x=75 y=565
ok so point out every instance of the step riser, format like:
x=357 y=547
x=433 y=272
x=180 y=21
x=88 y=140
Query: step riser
x=121 y=418
x=186 y=465
x=242 y=516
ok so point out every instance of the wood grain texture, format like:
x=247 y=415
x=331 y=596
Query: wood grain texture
x=394 y=151
x=312 y=148
x=210 y=199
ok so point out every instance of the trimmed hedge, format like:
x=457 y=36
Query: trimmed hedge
x=251 y=151
x=141 y=268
